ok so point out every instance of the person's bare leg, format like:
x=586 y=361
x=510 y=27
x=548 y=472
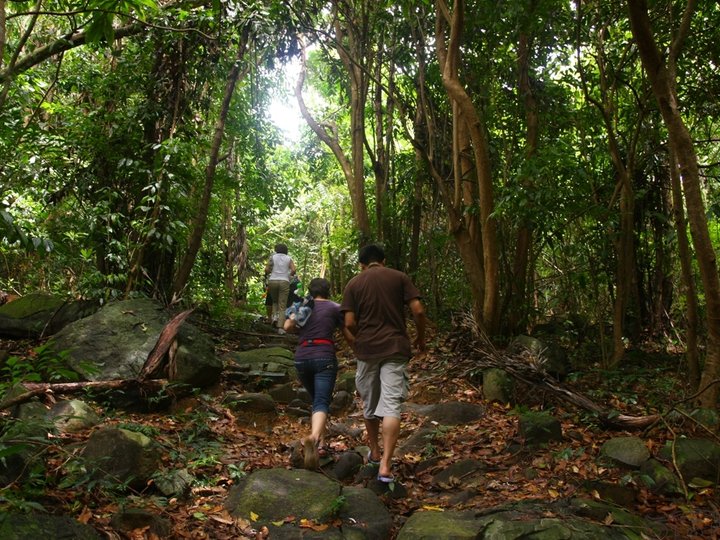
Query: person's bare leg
x=390 y=435
x=318 y=426
x=372 y=427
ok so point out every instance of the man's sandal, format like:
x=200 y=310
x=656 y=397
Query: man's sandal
x=371 y=461
x=385 y=479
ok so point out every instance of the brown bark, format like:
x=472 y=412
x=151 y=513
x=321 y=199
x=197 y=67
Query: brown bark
x=466 y=113
x=198 y=226
x=328 y=134
x=692 y=355
x=623 y=160
x=153 y=364
x=663 y=85
x=517 y=300
x=3 y=31
x=351 y=41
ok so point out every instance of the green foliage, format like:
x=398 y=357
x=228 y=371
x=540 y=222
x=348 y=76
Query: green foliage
x=337 y=505
x=46 y=365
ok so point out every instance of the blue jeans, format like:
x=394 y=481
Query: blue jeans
x=317 y=375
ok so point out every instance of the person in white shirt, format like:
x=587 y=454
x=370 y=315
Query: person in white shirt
x=279 y=268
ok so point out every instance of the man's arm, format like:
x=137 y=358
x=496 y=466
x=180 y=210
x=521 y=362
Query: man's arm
x=350 y=328
x=418 y=312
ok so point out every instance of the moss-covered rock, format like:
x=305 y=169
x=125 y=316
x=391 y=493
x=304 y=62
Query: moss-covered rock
x=43 y=526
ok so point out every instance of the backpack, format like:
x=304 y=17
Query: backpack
x=301 y=310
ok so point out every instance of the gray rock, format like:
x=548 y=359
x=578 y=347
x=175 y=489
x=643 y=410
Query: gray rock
x=346 y=381
x=39 y=314
x=450 y=413
x=659 y=478
x=72 y=416
x=347 y=466
x=695 y=458
x=497 y=385
x=174 y=483
x=259 y=368
x=121 y=455
x=448 y=525
x=364 y=516
x=341 y=402
x=627 y=451
x=251 y=402
x=38 y=525
x=274 y=494
x=539 y=428
x=131 y=519
x=114 y=343
x=458 y=474
x=283 y=393
x=526 y=520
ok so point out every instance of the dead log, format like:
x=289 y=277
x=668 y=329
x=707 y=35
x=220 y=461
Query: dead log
x=527 y=368
x=154 y=361
x=39 y=389
x=153 y=364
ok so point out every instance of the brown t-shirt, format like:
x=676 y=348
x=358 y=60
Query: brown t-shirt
x=378 y=296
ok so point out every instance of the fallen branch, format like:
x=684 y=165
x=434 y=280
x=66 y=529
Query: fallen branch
x=38 y=389
x=527 y=368
x=153 y=364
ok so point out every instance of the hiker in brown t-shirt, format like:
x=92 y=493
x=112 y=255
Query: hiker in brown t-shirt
x=374 y=306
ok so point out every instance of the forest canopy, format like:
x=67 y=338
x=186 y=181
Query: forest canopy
x=522 y=161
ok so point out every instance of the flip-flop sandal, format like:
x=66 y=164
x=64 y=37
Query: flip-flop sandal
x=385 y=479
x=371 y=461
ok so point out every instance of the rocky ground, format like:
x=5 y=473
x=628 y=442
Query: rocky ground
x=202 y=435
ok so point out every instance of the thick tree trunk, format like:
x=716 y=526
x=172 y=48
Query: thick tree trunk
x=681 y=144
x=328 y=134
x=465 y=111
x=198 y=226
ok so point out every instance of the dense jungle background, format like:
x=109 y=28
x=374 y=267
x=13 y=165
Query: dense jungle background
x=539 y=168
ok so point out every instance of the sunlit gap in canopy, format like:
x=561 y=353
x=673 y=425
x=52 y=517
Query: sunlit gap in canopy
x=284 y=110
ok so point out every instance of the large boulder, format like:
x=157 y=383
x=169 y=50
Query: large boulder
x=695 y=458
x=532 y=519
x=281 y=499
x=40 y=314
x=115 y=342
x=625 y=451
x=259 y=369
x=122 y=455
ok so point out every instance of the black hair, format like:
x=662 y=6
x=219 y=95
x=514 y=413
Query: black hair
x=281 y=248
x=319 y=287
x=370 y=254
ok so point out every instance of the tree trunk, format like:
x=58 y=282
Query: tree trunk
x=691 y=311
x=681 y=144
x=517 y=300
x=200 y=221
x=465 y=110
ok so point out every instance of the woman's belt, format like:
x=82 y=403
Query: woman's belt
x=319 y=341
